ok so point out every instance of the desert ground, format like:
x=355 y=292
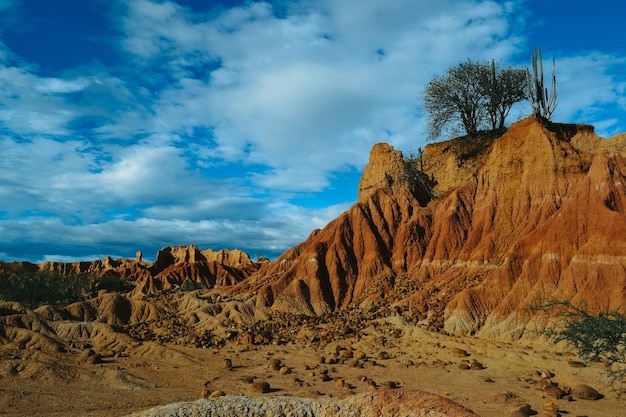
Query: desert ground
x=490 y=378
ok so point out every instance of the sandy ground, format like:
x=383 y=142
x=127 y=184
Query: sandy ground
x=36 y=383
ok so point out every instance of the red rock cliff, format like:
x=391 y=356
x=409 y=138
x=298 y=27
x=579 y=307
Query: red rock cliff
x=536 y=212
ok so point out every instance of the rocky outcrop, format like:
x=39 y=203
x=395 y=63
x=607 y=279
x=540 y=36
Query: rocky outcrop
x=538 y=211
x=390 y=403
x=385 y=168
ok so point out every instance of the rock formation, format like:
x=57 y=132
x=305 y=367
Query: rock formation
x=537 y=212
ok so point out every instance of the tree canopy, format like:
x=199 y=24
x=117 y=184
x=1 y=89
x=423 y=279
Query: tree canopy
x=472 y=96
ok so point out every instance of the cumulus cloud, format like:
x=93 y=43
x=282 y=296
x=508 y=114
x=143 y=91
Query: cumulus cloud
x=587 y=85
x=214 y=128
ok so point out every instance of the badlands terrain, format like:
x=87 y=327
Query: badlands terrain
x=415 y=301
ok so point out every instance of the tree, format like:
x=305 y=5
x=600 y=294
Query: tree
x=505 y=87
x=542 y=100
x=472 y=95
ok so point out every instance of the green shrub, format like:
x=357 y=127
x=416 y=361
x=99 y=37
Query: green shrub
x=595 y=337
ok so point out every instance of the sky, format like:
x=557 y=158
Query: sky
x=131 y=125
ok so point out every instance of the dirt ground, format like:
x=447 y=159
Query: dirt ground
x=387 y=354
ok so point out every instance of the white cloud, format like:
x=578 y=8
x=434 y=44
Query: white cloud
x=309 y=94
x=211 y=125
x=587 y=85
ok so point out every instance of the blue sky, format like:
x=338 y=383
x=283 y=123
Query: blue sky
x=133 y=125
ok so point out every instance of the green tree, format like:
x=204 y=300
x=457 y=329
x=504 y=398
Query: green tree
x=471 y=96
x=504 y=88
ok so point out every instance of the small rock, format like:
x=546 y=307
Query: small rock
x=389 y=385
x=259 y=387
x=554 y=391
x=459 y=353
x=585 y=392
x=275 y=364
x=359 y=355
x=576 y=364
x=217 y=394
x=228 y=364
x=383 y=355
x=523 y=410
x=550 y=409
x=84 y=356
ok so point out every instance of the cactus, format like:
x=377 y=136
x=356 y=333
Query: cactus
x=542 y=100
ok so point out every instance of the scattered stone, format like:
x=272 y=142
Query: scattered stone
x=544 y=383
x=507 y=397
x=554 y=391
x=228 y=364
x=275 y=364
x=384 y=355
x=459 y=353
x=359 y=355
x=477 y=366
x=464 y=366
x=550 y=409
x=217 y=394
x=585 y=392
x=576 y=364
x=523 y=410
x=284 y=370
x=389 y=385
x=84 y=356
x=259 y=387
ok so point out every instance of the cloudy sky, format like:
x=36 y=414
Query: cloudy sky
x=131 y=125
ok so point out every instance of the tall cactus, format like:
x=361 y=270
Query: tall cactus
x=542 y=100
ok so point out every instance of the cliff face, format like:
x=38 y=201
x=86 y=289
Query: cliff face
x=537 y=212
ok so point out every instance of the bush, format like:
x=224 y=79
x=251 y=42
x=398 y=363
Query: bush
x=34 y=288
x=595 y=337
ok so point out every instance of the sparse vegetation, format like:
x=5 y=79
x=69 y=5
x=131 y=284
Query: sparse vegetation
x=595 y=337
x=34 y=288
x=472 y=96
x=112 y=283
x=542 y=100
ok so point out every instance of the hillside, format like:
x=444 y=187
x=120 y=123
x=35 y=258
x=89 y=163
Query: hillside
x=537 y=212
